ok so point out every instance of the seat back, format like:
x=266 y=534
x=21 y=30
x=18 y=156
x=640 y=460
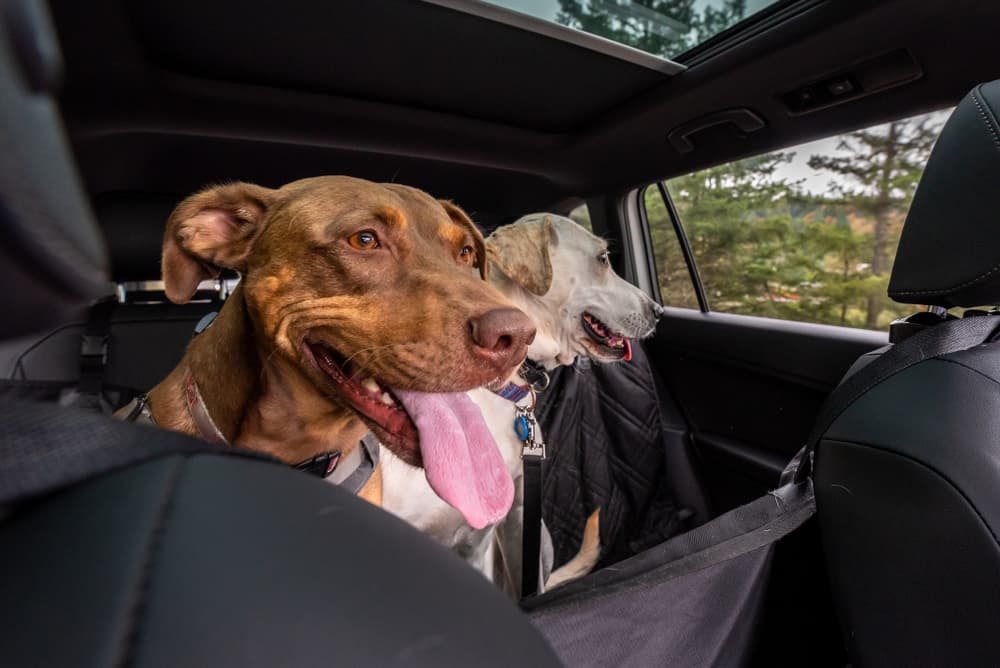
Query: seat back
x=908 y=476
x=52 y=259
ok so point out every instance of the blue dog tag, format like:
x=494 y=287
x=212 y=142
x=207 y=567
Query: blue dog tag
x=521 y=427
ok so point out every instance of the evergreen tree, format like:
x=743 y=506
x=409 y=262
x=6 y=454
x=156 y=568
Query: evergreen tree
x=661 y=27
x=877 y=179
x=751 y=255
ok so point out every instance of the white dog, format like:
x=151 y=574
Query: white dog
x=559 y=275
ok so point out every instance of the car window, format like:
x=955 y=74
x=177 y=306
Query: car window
x=664 y=28
x=676 y=287
x=581 y=215
x=808 y=233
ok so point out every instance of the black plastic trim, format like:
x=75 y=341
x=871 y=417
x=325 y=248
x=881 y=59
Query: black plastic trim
x=689 y=260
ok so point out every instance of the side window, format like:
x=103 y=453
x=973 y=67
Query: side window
x=808 y=233
x=581 y=215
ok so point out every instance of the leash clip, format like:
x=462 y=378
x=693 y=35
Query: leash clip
x=536 y=375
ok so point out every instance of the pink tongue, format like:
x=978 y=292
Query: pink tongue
x=461 y=460
x=628 y=351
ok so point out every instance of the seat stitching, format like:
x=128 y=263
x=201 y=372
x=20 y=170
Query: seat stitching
x=967 y=367
x=154 y=542
x=986 y=120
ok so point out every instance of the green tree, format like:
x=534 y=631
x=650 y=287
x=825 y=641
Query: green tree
x=752 y=255
x=655 y=26
x=877 y=177
x=840 y=279
x=662 y=27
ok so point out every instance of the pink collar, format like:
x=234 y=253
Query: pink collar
x=207 y=428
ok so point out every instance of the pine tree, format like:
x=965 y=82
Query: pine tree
x=752 y=255
x=878 y=177
x=662 y=27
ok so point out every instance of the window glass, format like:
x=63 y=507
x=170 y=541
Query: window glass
x=808 y=233
x=664 y=28
x=581 y=215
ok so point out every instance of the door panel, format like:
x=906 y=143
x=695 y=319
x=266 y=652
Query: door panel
x=750 y=389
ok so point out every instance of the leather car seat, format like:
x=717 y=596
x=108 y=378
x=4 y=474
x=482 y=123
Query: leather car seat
x=908 y=476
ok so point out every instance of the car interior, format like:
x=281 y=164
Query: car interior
x=505 y=115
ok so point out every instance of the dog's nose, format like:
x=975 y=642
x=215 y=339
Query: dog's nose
x=502 y=336
x=658 y=311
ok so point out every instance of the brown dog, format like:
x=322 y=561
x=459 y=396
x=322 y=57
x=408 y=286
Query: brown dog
x=359 y=305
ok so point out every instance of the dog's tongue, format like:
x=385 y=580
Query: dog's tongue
x=461 y=460
x=628 y=351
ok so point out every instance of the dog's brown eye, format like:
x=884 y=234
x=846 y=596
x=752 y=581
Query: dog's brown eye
x=467 y=255
x=365 y=240
x=603 y=258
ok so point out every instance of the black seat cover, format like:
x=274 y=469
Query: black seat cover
x=612 y=445
x=908 y=477
x=190 y=559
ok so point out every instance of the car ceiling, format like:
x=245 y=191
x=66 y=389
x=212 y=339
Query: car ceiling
x=162 y=98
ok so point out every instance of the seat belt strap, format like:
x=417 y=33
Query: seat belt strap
x=947 y=337
x=531 y=535
x=94 y=354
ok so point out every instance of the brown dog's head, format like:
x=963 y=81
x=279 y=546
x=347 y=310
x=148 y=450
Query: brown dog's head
x=373 y=292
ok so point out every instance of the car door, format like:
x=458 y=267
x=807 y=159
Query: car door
x=773 y=271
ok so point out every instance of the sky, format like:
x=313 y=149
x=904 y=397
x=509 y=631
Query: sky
x=818 y=182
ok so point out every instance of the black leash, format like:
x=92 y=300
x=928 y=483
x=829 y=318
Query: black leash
x=532 y=455
x=531 y=537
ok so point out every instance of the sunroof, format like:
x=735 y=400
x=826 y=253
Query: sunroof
x=661 y=28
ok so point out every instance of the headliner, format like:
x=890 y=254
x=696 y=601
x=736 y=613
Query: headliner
x=162 y=98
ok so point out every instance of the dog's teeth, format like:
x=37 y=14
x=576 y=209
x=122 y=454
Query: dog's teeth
x=387 y=399
x=370 y=385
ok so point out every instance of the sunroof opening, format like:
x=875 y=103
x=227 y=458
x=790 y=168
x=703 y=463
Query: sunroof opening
x=662 y=28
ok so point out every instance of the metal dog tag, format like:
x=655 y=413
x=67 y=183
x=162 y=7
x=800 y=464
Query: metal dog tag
x=526 y=428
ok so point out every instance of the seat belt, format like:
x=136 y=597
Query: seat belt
x=94 y=355
x=941 y=339
x=531 y=536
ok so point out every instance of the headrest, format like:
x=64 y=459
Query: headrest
x=52 y=260
x=949 y=253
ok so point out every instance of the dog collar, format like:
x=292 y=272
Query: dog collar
x=321 y=465
x=137 y=411
x=537 y=379
x=513 y=392
x=207 y=428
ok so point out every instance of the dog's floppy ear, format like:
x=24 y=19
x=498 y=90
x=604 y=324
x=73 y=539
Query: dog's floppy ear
x=459 y=217
x=521 y=252
x=209 y=231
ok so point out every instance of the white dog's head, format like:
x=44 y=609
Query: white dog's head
x=558 y=274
